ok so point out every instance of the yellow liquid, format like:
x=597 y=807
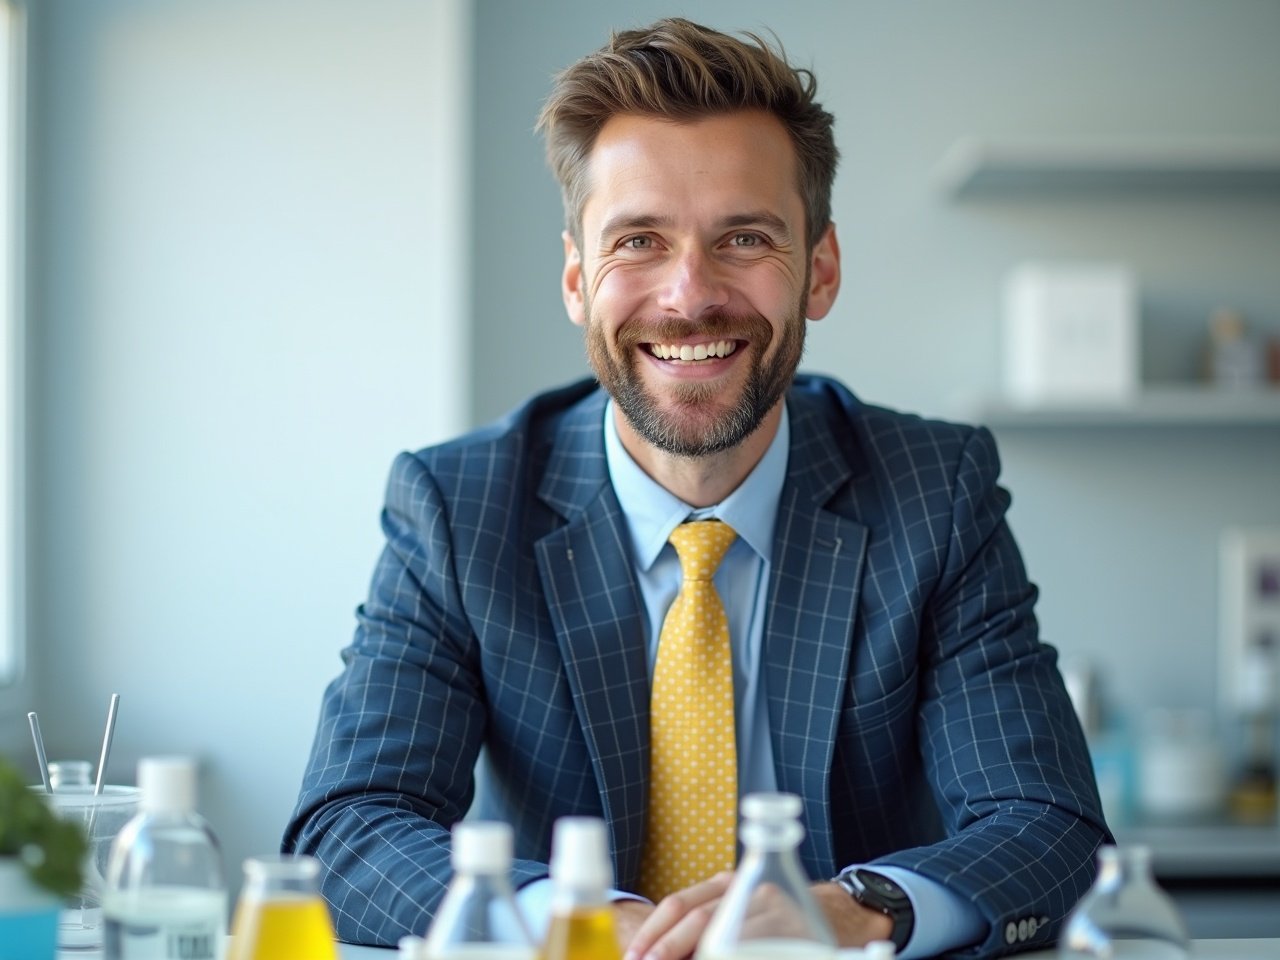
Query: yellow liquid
x=582 y=935
x=282 y=929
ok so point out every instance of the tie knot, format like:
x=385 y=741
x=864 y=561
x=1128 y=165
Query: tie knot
x=701 y=545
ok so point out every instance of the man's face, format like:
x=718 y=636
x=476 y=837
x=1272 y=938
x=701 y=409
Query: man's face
x=693 y=282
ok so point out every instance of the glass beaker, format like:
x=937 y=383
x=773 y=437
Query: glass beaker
x=280 y=914
x=768 y=910
x=1124 y=914
x=101 y=815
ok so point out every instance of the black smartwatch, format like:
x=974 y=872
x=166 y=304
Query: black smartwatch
x=877 y=892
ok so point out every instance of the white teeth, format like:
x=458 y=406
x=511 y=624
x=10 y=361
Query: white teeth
x=721 y=348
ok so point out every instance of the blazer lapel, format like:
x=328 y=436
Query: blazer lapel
x=595 y=606
x=814 y=587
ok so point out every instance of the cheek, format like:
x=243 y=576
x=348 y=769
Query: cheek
x=616 y=295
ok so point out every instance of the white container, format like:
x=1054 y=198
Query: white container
x=1180 y=768
x=1070 y=334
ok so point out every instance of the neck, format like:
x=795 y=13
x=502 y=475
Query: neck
x=700 y=481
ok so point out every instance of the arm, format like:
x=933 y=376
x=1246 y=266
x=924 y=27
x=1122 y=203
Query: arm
x=1001 y=745
x=400 y=729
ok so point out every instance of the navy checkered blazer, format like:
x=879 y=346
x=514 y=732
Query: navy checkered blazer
x=911 y=703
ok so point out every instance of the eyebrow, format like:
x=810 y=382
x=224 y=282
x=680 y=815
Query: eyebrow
x=754 y=218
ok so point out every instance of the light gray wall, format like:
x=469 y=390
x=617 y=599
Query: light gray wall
x=1120 y=528
x=247 y=285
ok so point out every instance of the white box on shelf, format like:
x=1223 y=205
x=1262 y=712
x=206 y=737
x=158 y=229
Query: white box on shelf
x=1070 y=334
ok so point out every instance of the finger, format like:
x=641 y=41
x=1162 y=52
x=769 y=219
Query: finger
x=679 y=942
x=674 y=908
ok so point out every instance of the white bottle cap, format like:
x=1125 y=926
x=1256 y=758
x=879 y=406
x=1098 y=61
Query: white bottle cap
x=482 y=846
x=771 y=806
x=580 y=853
x=167 y=784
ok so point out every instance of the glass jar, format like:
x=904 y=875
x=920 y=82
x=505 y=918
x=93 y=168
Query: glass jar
x=280 y=914
x=1124 y=914
x=768 y=910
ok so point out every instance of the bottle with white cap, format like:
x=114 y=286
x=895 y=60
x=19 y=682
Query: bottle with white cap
x=582 y=925
x=478 y=919
x=166 y=894
x=768 y=910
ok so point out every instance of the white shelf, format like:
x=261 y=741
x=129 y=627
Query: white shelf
x=1173 y=406
x=974 y=166
x=1206 y=851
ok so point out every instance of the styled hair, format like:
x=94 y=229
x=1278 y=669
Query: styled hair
x=681 y=71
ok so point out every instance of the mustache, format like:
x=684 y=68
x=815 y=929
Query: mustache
x=718 y=326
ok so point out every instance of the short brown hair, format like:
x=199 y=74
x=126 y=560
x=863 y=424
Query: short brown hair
x=682 y=71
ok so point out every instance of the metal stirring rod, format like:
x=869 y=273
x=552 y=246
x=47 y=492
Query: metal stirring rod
x=39 y=742
x=106 y=744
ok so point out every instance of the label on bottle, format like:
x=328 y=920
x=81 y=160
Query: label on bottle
x=162 y=923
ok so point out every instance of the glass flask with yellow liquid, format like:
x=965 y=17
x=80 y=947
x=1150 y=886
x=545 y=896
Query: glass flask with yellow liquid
x=478 y=919
x=768 y=910
x=581 y=925
x=280 y=915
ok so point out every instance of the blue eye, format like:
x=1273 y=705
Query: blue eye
x=638 y=243
x=745 y=240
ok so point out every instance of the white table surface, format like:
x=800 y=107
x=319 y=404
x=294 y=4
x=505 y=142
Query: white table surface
x=1201 y=949
x=1261 y=949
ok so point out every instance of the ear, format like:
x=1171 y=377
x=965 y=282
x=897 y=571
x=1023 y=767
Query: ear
x=824 y=274
x=571 y=281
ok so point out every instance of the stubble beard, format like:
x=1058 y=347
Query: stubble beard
x=696 y=424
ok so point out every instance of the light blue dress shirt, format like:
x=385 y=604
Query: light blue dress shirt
x=742 y=581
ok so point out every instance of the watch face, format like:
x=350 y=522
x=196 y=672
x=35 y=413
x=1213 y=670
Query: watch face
x=880 y=885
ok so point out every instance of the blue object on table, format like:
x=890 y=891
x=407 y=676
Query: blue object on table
x=29 y=934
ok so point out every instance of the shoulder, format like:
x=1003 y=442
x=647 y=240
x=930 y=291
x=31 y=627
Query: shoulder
x=876 y=439
x=536 y=423
x=508 y=454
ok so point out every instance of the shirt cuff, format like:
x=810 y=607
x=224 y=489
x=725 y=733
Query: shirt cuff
x=951 y=921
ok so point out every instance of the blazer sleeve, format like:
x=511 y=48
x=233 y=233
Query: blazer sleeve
x=391 y=768
x=1002 y=748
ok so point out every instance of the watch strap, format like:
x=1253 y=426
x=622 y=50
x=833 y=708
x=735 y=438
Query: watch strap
x=877 y=892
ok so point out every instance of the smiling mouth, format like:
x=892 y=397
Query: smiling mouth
x=684 y=352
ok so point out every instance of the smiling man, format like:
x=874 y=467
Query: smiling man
x=868 y=641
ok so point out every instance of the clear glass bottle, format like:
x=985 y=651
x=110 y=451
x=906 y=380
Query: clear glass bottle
x=582 y=925
x=165 y=895
x=1124 y=914
x=768 y=910
x=280 y=914
x=478 y=917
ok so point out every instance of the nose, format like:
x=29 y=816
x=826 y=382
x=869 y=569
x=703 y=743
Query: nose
x=693 y=285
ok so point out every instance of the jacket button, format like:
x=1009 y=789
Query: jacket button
x=1011 y=932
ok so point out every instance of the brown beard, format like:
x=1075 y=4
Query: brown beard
x=700 y=426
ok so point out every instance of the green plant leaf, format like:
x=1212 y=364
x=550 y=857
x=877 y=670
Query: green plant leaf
x=53 y=849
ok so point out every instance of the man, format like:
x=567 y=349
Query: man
x=877 y=651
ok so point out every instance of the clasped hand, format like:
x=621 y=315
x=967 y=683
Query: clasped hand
x=672 y=929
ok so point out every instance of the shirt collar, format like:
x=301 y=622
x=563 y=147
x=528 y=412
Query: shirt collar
x=652 y=511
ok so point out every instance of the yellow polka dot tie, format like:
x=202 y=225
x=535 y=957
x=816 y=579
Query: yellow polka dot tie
x=693 y=765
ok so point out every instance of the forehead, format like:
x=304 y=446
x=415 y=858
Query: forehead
x=716 y=166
